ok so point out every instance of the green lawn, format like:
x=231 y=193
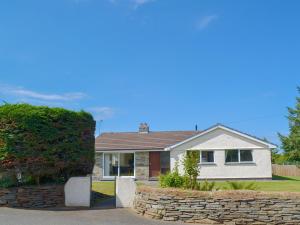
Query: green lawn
x=290 y=184
x=105 y=188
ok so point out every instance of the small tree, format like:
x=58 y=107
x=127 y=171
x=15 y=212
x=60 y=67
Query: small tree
x=291 y=143
x=191 y=169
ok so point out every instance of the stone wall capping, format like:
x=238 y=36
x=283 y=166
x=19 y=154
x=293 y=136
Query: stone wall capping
x=239 y=195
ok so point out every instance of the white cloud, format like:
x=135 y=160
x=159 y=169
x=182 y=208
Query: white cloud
x=21 y=93
x=18 y=94
x=205 y=21
x=101 y=113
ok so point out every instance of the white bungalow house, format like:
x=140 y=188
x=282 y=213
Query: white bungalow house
x=225 y=153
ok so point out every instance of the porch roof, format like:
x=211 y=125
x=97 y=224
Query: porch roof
x=118 y=141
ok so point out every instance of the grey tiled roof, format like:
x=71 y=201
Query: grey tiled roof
x=141 y=141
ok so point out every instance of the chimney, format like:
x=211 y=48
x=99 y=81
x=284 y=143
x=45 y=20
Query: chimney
x=143 y=128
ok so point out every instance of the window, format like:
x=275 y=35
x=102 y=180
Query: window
x=111 y=163
x=127 y=164
x=118 y=164
x=238 y=156
x=232 y=156
x=164 y=162
x=246 y=156
x=207 y=157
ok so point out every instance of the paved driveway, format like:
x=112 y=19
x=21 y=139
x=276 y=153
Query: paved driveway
x=10 y=216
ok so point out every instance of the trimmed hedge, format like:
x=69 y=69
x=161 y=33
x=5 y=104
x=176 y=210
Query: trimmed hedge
x=41 y=142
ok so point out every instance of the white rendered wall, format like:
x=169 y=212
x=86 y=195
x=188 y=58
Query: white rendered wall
x=125 y=192
x=219 y=140
x=78 y=191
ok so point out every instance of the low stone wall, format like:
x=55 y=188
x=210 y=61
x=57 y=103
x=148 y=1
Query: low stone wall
x=32 y=196
x=228 y=207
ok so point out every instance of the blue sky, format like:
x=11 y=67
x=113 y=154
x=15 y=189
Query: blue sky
x=172 y=64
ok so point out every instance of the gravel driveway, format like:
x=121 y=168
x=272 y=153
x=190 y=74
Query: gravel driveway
x=11 y=216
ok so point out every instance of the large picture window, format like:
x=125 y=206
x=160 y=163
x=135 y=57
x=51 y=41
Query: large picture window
x=238 y=156
x=111 y=163
x=118 y=164
x=126 y=164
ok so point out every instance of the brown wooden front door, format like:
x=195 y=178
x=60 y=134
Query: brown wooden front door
x=154 y=164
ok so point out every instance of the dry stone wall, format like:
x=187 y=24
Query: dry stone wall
x=231 y=207
x=98 y=167
x=142 y=165
x=32 y=196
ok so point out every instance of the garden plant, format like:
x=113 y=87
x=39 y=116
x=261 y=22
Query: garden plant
x=189 y=180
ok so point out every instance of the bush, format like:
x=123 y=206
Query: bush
x=41 y=142
x=234 y=185
x=189 y=180
x=172 y=179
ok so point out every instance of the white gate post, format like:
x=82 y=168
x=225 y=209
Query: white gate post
x=125 y=192
x=78 y=191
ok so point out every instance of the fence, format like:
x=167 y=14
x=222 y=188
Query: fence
x=285 y=170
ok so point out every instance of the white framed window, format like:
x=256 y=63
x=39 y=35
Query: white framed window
x=110 y=164
x=207 y=157
x=238 y=156
x=246 y=156
x=118 y=164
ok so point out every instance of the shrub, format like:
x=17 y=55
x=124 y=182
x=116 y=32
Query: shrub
x=208 y=186
x=189 y=180
x=191 y=169
x=234 y=185
x=172 y=179
x=41 y=142
x=7 y=181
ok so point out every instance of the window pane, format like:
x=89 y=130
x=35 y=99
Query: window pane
x=246 y=156
x=111 y=164
x=127 y=164
x=232 y=156
x=207 y=156
x=164 y=162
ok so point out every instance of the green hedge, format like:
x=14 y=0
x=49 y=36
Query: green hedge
x=42 y=142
